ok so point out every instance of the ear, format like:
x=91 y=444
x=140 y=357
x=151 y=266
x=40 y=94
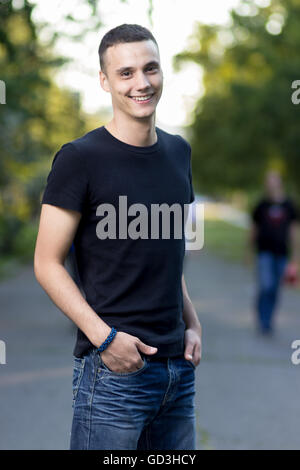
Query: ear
x=104 y=81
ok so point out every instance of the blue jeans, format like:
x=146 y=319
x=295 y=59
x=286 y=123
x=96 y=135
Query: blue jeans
x=270 y=270
x=151 y=408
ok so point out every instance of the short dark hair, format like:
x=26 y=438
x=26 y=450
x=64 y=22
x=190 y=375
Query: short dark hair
x=122 y=34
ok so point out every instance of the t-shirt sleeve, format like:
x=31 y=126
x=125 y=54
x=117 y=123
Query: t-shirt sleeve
x=192 y=195
x=67 y=181
x=191 y=183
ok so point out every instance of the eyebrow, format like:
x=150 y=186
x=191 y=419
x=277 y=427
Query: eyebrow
x=125 y=69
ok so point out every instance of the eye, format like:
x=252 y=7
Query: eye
x=152 y=67
x=123 y=74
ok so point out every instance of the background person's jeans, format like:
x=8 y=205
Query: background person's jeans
x=149 y=409
x=270 y=270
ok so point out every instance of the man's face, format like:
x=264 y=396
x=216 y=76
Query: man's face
x=132 y=72
x=273 y=182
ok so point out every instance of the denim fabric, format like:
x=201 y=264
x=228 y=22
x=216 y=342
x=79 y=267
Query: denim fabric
x=151 y=408
x=270 y=270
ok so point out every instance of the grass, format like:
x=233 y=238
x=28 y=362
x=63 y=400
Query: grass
x=225 y=240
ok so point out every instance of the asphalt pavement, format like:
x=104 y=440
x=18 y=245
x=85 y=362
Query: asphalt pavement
x=248 y=389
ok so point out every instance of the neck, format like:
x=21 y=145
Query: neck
x=276 y=196
x=138 y=132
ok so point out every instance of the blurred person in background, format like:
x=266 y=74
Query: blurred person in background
x=273 y=239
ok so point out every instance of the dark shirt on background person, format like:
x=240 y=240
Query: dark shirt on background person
x=273 y=220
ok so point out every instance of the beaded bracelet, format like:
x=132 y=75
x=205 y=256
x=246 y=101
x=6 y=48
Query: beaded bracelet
x=108 y=340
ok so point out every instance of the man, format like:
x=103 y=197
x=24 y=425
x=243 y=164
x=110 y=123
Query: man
x=273 y=235
x=137 y=391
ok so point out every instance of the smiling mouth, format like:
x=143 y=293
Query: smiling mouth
x=142 y=98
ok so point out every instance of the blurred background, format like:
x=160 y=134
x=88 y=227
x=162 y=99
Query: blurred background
x=229 y=68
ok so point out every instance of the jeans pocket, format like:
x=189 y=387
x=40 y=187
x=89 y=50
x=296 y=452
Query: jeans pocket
x=78 y=369
x=191 y=364
x=109 y=372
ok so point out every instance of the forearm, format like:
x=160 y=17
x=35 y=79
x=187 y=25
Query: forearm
x=63 y=291
x=252 y=237
x=189 y=313
x=294 y=241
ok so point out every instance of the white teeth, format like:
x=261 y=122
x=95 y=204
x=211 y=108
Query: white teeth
x=141 y=98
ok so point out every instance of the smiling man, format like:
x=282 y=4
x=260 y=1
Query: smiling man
x=138 y=337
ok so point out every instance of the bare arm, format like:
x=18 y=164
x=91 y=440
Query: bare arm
x=294 y=238
x=252 y=235
x=193 y=327
x=190 y=316
x=249 y=248
x=56 y=232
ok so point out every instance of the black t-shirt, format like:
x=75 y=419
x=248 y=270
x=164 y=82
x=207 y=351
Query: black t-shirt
x=132 y=284
x=273 y=220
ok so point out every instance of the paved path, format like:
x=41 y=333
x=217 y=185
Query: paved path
x=247 y=388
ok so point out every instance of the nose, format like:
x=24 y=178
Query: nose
x=142 y=81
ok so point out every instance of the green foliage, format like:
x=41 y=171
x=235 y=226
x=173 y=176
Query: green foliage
x=36 y=120
x=246 y=122
x=24 y=243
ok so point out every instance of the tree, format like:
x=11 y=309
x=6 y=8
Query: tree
x=36 y=117
x=246 y=122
